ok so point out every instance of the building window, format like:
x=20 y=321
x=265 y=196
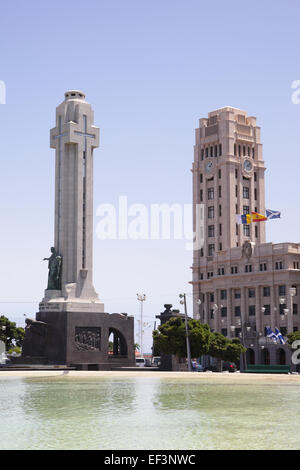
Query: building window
x=211 y=212
x=255 y=194
x=282 y=308
x=234 y=269
x=201 y=177
x=296 y=264
x=234 y=149
x=211 y=151
x=211 y=250
x=255 y=176
x=237 y=311
x=220 y=230
x=295 y=309
x=224 y=331
x=237 y=294
x=211 y=230
x=278 y=265
x=206 y=152
x=210 y=193
x=246 y=210
x=220 y=174
x=220 y=247
x=220 y=191
x=263 y=266
x=220 y=210
x=236 y=229
x=266 y=291
x=248 y=151
x=267 y=309
x=216 y=150
x=211 y=297
x=236 y=190
x=223 y=294
x=224 y=312
x=201 y=195
x=220 y=149
x=212 y=314
x=251 y=293
x=202 y=154
x=253 y=152
x=248 y=268
x=246 y=230
x=251 y=310
x=244 y=150
x=281 y=291
x=221 y=271
x=256 y=231
x=246 y=192
x=236 y=173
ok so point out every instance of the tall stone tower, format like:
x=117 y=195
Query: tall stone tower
x=71 y=327
x=74 y=139
x=229 y=177
x=241 y=284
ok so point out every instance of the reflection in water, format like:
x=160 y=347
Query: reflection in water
x=146 y=413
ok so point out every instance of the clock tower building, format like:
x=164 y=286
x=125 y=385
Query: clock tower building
x=241 y=284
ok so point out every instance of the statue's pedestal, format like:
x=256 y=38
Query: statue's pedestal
x=81 y=339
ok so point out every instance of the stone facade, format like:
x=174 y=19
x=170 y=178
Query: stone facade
x=244 y=284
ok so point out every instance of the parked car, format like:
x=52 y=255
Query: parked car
x=229 y=366
x=140 y=362
x=156 y=361
x=198 y=367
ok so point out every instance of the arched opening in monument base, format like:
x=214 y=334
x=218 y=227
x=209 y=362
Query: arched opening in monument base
x=117 y=345
x=250 y=355
x=280 y=357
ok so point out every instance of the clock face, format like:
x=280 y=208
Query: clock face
x=248 y=165
x=209 y=167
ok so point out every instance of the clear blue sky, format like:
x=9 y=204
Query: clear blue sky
x=150 y=70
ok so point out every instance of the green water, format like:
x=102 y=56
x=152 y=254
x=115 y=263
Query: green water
x=147 y=413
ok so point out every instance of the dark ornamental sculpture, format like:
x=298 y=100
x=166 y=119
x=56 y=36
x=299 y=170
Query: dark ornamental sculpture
x=54 y=266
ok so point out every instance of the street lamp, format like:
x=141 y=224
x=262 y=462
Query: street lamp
x=188 y=348
x=141 y=298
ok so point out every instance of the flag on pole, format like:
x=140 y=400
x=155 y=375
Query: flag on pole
x=256 y=217
x=270 y=334
x=243 y=219
x=279 y=336
x=272 y=214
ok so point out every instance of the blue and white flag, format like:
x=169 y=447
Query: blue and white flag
x=279 y=336
x=272 y=214
x=270 y=334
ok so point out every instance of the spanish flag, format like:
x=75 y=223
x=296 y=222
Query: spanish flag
x=256 y=217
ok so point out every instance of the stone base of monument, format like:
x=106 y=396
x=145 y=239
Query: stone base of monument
x=86 y=340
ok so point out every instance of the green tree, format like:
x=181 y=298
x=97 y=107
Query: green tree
x=291 y=337
x=10 y=334
x=225 y=349
x=170 y=338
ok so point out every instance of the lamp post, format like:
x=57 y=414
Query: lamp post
x=141 y=298
x=188 y=348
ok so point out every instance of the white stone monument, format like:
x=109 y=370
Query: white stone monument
x=74 y=139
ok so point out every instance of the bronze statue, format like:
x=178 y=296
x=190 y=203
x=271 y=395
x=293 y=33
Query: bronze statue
x=54 y=266
x=35 y=338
